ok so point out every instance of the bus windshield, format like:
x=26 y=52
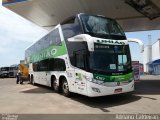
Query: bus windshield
x=102 y=27
x=110 y=59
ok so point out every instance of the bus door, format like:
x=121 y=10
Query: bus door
x=80 y=73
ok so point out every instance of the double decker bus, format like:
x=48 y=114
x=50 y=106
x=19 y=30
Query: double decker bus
x=85 y=54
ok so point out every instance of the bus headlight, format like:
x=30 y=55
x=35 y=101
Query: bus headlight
x=96 y=90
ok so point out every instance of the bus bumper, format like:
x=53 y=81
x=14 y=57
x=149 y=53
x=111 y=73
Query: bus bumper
x=95 y=90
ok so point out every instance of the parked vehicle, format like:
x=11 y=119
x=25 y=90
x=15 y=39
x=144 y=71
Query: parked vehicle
x=13 y=70
x=4 y=72
x=23 y=72
x=86 y=54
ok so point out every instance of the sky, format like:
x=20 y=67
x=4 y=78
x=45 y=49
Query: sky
x=17 y=33
x=143 y=36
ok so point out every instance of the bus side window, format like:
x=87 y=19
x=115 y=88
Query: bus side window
x=56 y=64
x=77 y=27
x=81 y=60
x=43 y=65
x=71 y=27
x=54 y=38
x=51 y=64
x=59 y=65
x=35 y=67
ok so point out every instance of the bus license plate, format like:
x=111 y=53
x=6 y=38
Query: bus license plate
x=119 y=90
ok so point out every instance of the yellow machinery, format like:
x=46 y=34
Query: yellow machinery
x=24 y=71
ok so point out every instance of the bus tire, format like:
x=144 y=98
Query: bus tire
x=29 y=79
x=55 y=86
x=32 y=80
x=65 y=88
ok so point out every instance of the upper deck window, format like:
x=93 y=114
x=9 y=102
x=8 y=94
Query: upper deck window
x=71 y=27
x=102 y=27
x=52 y=38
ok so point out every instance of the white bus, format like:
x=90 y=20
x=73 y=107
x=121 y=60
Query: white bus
x=86 y=54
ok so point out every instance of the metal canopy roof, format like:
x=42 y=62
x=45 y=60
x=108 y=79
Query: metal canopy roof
x=48 y=13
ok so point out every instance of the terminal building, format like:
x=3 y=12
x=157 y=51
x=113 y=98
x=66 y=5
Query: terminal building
x=151 y=58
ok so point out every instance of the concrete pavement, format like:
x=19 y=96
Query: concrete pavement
x=28 y=99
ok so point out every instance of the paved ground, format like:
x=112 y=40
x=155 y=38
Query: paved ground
x=26 y=99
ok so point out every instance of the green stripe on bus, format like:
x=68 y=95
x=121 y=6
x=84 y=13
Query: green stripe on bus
x=50 y=52
x=119 y=78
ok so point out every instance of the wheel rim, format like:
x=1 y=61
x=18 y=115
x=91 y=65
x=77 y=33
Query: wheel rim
x=65 y=87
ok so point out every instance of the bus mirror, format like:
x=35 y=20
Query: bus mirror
x=137 y=41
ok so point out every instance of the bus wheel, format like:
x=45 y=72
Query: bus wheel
x=32 y=81
x=65 y=88
x=29 y=79
x=55 y=86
